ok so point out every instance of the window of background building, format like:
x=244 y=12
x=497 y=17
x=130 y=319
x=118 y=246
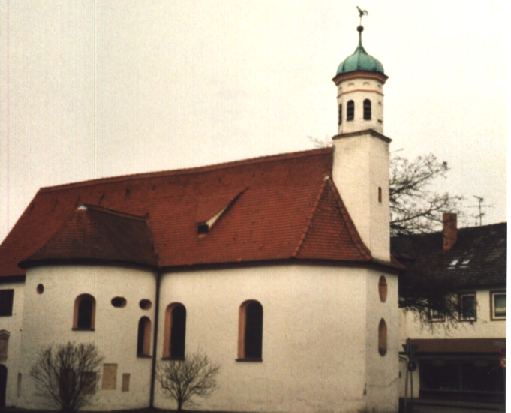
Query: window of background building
x=467 y=307
x=498 y=305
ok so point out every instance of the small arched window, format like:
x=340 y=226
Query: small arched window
x=367 y=109
x=382 y=288
x=144 y=337
x=382 y=337
x=339 y=115
x=84 y=312
x=175 y=332
x=250 y=341
x=350 y=110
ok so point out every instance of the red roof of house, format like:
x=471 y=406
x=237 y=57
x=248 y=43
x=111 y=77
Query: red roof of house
x=270 y=208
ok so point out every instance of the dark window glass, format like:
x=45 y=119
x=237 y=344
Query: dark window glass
x=367 y=109
x=350 y=110
x=143 y=337
x=85 y=312
x=253 y=330
x=177 y=332
x=339 y=115
x=6 y=301
x=467 y=309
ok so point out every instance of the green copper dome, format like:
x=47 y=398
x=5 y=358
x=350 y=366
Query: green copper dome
x=360 y=60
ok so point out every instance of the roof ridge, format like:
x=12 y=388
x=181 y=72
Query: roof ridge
x=311 y=216
x=352 y=229
x=190 y=170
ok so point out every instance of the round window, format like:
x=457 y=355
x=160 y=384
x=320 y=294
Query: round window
x=145 y=304
x=40 y=288
x=119 y=302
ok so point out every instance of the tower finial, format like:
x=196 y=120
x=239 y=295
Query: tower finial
x=360 y=28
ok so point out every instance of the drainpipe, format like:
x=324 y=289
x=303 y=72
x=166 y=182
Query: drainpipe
x=155 y=340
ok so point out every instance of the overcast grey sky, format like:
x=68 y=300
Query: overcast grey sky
x=91 y=89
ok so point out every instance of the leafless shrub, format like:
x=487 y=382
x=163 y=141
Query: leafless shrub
x=183 y=379
x=67 y=374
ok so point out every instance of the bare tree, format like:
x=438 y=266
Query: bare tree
x=414 y=207
x=183 y=379
x=67 y=374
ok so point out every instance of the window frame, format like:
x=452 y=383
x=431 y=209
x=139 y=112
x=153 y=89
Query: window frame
x=144 y=332
x=492 y=304
x=367 y=109
x=167 y=353
x=10 y=293
x=242 y=332
x=350 y=111
x=76 y=315
x=461 y=318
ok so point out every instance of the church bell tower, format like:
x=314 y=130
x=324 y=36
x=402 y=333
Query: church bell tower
x=361 y=151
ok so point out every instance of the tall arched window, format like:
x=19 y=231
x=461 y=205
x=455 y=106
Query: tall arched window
x=144 y=337
x=84 y=312
x=382 y=337
x=350 y=110
x=175 y=331
x=250 y=341
x=339 y=115
x=367 y=109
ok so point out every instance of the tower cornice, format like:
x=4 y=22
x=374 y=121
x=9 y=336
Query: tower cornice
x=360 y=74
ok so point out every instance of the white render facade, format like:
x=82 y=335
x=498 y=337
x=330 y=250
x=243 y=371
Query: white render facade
x=320 y=332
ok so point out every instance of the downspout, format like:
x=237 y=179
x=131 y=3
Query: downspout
x=155 y=340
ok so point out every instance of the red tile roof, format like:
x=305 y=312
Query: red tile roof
x=95 y=234
x=279 y=207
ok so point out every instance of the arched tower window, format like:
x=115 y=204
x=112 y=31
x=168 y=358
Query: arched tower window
x=250 y=341
x=339 y=115
x=350 y=110
x=367 y=109
x=144 y=337
x=382 y=337
x=84 y=312
x=175 y=331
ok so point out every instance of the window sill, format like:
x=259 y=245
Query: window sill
x=173 y=358
x=144 y=356
x=82 y=329
x=250 y=360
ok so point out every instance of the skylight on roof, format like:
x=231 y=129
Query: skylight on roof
x=453 y=263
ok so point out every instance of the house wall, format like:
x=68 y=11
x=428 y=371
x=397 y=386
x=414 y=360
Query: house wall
x=48 y=319
x=13 y=324
x=412 y=327
x=314 y=337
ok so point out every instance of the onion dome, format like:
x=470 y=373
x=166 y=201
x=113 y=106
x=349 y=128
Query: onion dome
x=360 y=60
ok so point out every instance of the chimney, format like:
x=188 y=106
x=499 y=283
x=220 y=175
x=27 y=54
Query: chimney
x=450 y=231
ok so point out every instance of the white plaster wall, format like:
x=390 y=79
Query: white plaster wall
x=382 y=371
x=13 y=325
x=48 y=319
x=314 y=336
x=358 y=90
x=361 y=165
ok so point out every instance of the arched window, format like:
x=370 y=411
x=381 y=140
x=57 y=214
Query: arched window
x=144 y=337
x=85 y=311
x=367 y=109
x=175 y=331
x=350 y=110
x=382 y=288
x=339 y=115
x=250 y=341
x=382 y=338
